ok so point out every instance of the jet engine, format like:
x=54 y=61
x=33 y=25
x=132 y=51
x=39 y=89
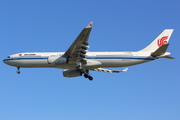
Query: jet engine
x=57 y=60
x=71 y=73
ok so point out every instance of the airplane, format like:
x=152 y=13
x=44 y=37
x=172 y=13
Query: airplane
x=78 y=61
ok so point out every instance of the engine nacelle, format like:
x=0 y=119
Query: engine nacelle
x=71 y=73
x=57 y=60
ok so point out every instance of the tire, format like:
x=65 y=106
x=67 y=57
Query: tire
x=90 y=78
x=86 y=75
x=18 y=72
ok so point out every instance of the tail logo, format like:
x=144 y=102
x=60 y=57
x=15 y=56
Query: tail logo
x=162 y=41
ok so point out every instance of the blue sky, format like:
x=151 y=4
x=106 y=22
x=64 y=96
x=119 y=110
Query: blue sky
x=148 y=91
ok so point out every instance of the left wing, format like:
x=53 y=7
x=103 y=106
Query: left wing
x=77 y=51
x=109 y=70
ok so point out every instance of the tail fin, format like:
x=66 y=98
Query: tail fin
x=162 y=39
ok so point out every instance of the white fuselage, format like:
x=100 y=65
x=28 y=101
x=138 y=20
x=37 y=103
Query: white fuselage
x=107 y=59
x=77 y=60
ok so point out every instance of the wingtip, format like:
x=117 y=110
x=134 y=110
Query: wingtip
x=90 y=25
x=126 y=69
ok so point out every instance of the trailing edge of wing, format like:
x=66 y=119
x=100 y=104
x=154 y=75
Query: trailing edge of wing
x=110 y=71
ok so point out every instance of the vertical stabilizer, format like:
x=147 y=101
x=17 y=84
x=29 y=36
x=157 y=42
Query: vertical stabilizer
x=162 y=39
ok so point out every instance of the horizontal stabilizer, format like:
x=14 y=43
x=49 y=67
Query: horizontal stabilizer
x=160 y=51
x=110 y=71
x=168 y=57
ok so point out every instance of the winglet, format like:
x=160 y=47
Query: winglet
x=90 y=25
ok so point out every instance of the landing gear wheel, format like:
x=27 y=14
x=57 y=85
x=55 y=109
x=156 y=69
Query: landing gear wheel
x=18 y=72
x=86 y=75
x=90 y=78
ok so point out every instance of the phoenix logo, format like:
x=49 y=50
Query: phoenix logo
x=162 y=41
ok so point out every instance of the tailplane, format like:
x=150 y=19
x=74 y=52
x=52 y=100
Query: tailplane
x=161 y=52
x=161 y=40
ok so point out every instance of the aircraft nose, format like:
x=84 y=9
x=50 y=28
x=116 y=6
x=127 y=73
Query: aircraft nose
x=5 y=61
x=10 y=61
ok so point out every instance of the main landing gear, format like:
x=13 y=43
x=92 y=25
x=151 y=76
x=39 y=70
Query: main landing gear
x=86 y=75
x=85 y=72
x=18 y=70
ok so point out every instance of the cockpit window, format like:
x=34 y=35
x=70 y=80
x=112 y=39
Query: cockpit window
x=8 y=57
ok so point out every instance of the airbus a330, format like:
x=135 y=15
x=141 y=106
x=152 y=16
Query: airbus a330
x=78 y=61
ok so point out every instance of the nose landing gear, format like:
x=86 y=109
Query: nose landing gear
x=18 y=70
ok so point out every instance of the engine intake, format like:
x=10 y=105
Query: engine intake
x=71 y=73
